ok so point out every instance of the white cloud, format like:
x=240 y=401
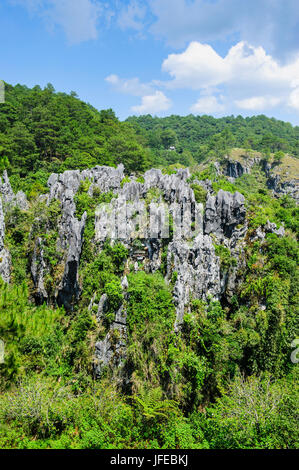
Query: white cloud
x=131 y=86
x=152 y=104
x=77 y=18
x=189 y=20
x=258 y=103
x=294 y=99
x=152 y=101
x=198 y=67
x=250 y=78
x=247 y=78
x=274 y=24
x=131 y=16
x=207 y=105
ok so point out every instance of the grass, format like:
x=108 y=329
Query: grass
x=288 y=169
x=242 y=155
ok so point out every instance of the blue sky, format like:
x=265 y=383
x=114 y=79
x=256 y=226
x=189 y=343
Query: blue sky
x=162 y=57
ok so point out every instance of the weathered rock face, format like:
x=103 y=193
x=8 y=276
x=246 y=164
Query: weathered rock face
x=69 y=287
x=283 y=188
x=174 y=187
x=143 y=210
x=191 y=255
x=112 y=349
x=157 y=220
x=224 y=213
x=63 y=188
x=6 y=189
x=139 y=216
x=38 y=269
x=4 y=254
x=268 y=228
x=236 y=170
x=9 y=198
x=197 y=271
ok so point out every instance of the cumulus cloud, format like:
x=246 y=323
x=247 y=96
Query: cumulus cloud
x=208 y=105
x=250 y=77
x=130 y=86
x=274 y=24
x=246 y=79
x=78 y=18
x=258 y=103
x=152 y=104
x=294 y=99
x=152 y=100
x=199 y=66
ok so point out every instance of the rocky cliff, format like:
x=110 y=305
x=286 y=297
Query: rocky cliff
x=8 y=200
x=282 y=178
x=158 y=220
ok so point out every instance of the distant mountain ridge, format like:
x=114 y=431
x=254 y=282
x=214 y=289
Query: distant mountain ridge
x=200 y=135
x=43 y=131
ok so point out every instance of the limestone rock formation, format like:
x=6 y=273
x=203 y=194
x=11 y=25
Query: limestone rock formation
x=69 y=287
x=268 y=228
x=64 y=187
x=9 y=198
x=191 y=255
x=224 y=213
x=38 y=268
x=111 y=350
x=235 y=168
x=288 y=185
x=283 y=188
x=155 y=216
x=197 y=271
x=4 y=254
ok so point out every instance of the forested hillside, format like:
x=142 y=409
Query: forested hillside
x=42 y=131
x=127 y=335
x=197 y=137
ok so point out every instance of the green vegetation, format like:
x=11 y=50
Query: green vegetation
x=42 y=132
x=226 y=259
x=225 y=378
x=199 y=193
x=193 y=139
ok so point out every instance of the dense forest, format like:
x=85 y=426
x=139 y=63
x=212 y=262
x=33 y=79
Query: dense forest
x=193 y=139
x=225 y=378
x=42 y=131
